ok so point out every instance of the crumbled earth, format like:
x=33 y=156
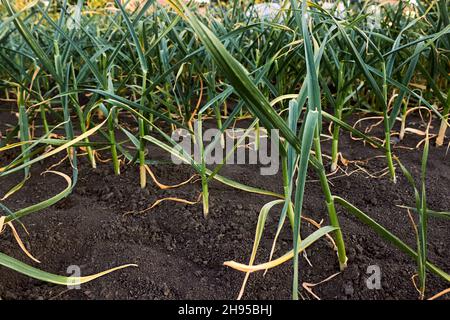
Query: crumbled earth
x=180 y=253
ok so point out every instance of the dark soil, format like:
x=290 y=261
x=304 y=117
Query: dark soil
x=180 y=253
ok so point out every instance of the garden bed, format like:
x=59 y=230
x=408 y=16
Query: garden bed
x=180 y=253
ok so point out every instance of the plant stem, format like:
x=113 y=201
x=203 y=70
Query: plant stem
x=142 y=172
x=82 y=120
x=257 y=136
x=403 y=124
x=387 y=130
x=205 y=195
x=444 y=122
x=204 y=176
x=338 y=114
x=342 y=256
x=286 y=190
x=24 y=127
x=112 y=138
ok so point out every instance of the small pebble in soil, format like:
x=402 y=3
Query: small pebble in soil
x=348 y=289
x=359 y=249
x=166 y=290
